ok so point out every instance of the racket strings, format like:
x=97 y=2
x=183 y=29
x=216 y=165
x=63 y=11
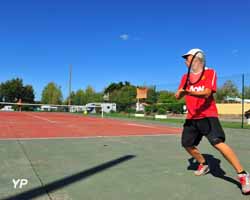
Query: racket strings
x=193 y=77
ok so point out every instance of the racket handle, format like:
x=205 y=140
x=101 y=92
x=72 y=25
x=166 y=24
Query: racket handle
x=184 y=87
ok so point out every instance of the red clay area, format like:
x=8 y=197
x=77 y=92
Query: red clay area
x=56 y=125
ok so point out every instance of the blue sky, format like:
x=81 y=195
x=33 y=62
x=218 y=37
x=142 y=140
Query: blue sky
x=140 y=41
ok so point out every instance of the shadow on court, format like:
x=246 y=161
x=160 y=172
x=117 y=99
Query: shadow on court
x=46 y=189
x=215 y=168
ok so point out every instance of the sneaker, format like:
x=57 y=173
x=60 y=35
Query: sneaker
x=202 y=170
x=245 y=182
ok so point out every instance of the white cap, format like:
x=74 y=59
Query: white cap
x=192 y=52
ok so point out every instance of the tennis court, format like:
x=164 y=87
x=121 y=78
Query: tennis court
x=72 y=157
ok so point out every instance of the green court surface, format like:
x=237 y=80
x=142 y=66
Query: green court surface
x=118 y=168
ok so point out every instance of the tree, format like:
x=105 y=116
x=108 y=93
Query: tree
x=28 y=94
x=166 y=97
x=52 y=94
x=152 y=95
x=79 y=97
x=89 y=94
x=247 y=92
x=228 y=89
x=115 y=86
x=124 y=97
x=98 y=97
x=82 y=97
x=13 y=90
x=72 y=96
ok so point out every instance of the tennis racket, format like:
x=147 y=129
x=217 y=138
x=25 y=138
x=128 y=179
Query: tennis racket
x=196 y=69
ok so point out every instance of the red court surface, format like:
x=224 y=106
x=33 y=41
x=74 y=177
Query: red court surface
x=14 y=125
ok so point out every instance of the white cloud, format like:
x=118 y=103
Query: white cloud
x=124 y=37
x=235 y=52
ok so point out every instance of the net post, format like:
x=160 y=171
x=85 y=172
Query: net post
x=243 y=101
x=19 y=104
x=102 y=111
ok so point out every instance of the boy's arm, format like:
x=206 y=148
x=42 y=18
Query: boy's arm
x=180 y=92
x=209 y=84
x=210 y=88
x=204 y=94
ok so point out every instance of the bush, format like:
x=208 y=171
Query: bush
x=176 y=108
x=130 y=110
x=172 y=108
x=140 y=112
x=148 y=109
x=151 y=109
x=161 y=109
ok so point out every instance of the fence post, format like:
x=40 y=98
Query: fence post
x=243 y=101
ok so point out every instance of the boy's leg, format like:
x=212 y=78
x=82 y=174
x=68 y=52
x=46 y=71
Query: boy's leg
x=195 y=153
x=191 y=137
x=216 y=137
x=203 y=167
x=230 y=156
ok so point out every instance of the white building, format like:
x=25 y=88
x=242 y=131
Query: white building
x=236 y=99
x=105 y=107
x=7 y=108
x=48 y=108
x=76 y=108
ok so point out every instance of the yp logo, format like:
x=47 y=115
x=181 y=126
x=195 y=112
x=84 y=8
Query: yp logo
x=20 y=183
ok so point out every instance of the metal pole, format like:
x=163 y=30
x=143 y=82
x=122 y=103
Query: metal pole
x=70 y=78
x=102 y=111
x=243 y=101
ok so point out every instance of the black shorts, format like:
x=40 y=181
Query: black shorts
x=195 y=129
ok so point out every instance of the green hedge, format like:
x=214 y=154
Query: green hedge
x=164 y=108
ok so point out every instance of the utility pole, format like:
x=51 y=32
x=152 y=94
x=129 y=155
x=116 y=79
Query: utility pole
x=70 y=78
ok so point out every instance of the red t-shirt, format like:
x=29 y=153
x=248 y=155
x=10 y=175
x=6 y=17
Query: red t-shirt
x=199 y=107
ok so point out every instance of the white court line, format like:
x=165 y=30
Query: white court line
x=141 y=125
x=42 y=118
x=88 y=137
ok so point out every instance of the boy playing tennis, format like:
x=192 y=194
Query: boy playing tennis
x=202 y=120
